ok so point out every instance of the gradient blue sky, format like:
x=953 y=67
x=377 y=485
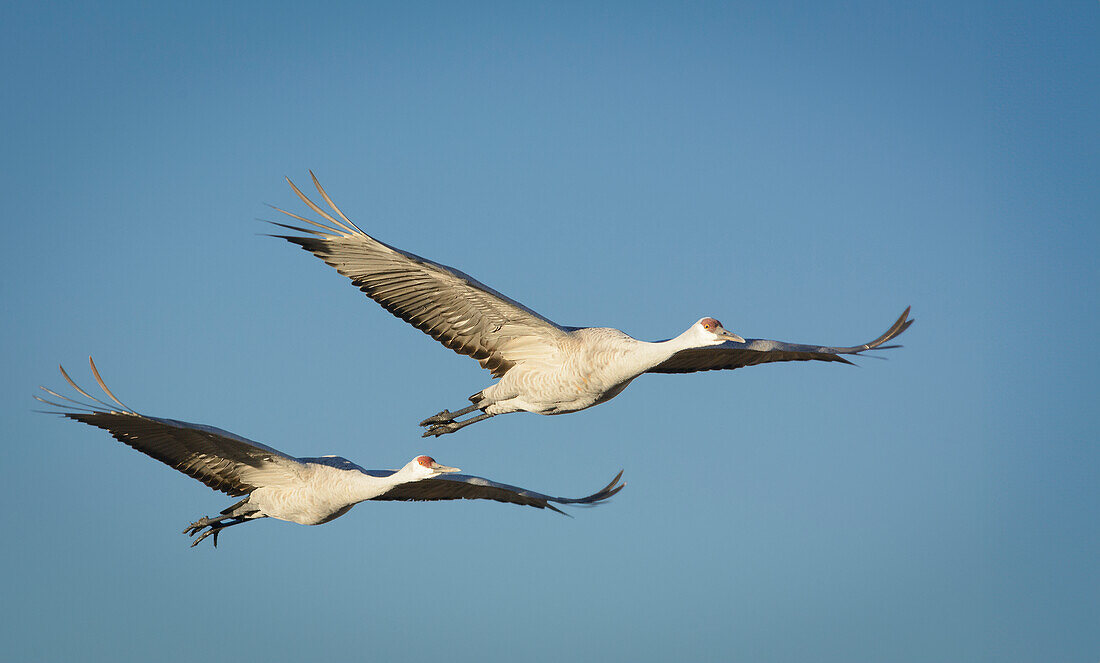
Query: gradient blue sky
x=801 y=171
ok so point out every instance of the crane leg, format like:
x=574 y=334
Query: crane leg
x=215 y=526
x=452 y=426
x=446 y=416
x=231 y=511
x=205 y=521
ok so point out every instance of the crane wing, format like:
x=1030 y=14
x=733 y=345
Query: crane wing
x=761 y=351
x=452 y=307
x=218 y=458
x=465 y=487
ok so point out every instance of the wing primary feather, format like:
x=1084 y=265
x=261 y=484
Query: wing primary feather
x=84 y=393
x=321 y=190
x=313 y=206
x=613 y=482
x=900 y=325
x=54 y=393
x=95 y=372
x=76 y=406
x=316 y=233
x=329 y=231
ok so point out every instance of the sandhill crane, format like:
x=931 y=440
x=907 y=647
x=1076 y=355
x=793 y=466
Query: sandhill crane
x=309 y=491
x=543 y=367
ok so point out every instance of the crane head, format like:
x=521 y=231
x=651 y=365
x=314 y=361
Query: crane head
x=715 y=333
x=426 y=465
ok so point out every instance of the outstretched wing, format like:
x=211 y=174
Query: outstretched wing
x=455 y=309
x=465 y=487
x=218 y=458
x=761 y=351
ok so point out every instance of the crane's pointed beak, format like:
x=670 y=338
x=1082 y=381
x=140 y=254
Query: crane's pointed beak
x=728 y=335
x=443 y=468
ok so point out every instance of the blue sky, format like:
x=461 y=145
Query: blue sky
x=801 y=171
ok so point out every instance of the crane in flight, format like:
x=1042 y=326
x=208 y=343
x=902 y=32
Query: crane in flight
x=309 y=491
x=543 y=367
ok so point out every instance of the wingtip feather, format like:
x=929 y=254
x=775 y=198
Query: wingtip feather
x=313 y=206
x=324 y=194
x=103 y=386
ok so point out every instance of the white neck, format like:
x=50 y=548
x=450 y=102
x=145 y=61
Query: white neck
x=652 y=354
x=367 y=487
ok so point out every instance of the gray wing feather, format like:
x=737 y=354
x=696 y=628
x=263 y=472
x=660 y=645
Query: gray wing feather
x=466 y=487
x=214 y=456
x=341 y=463
x=452 y=307
x=761 y=351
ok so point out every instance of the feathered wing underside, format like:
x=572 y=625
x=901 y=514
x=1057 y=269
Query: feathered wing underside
x=218 y=458
x=450 y=306
x=465 y=487
x=761 y=351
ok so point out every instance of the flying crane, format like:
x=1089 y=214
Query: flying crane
x=309 y=491
x=543 y=367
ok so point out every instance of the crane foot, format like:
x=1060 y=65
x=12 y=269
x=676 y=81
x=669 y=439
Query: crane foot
x=447 y=417
x=443 y=417
x=441 y=429
x=194 y=527
x=452 y=426
x=215 y=525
